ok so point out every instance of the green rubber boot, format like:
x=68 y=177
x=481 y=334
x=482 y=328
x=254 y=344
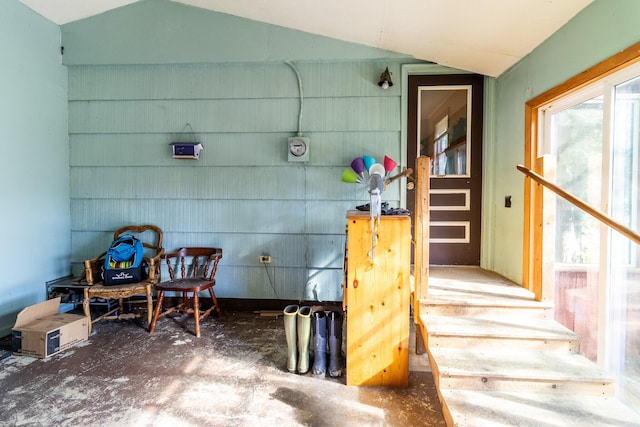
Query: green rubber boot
x=290 y=317
x=304 y=336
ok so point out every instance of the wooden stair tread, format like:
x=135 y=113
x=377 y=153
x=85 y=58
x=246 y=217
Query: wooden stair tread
x=490 y=408
x=514 y=364
x=498 y=327
x=474 y=280
x=499 y=358
x=443 y=296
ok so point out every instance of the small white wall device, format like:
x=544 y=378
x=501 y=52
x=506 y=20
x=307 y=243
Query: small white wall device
x=298 y=149
x=186 y=150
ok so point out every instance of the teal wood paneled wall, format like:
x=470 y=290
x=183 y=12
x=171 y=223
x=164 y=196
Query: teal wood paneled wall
x=34 y=166
x=133 y=91
x=242 y=194
x=601 y=30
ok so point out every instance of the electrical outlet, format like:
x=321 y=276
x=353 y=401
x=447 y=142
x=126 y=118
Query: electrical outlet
x=265 y=259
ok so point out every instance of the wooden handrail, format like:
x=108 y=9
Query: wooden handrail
x=607 y=220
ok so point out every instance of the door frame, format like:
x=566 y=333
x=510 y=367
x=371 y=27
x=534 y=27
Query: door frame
x=488 y=152
x=407 y=70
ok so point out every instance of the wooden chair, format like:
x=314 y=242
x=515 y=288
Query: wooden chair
x=198 y=267
x=151 y=238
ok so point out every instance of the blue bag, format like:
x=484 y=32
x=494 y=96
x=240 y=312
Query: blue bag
x=123 y=262
x=125 y=252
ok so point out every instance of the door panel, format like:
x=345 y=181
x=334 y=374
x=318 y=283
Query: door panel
x=445 y=123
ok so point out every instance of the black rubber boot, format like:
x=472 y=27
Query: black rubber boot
x=335 y=343
x=319 y=342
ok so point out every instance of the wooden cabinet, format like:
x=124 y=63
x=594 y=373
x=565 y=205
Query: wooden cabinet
x=377 y=300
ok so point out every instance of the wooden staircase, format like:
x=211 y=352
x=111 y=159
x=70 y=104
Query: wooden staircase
x=499 y=359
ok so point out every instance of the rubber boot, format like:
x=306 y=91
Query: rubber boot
x=304 y=335
x=319 y=343
x=290 y=317
x=335 y=343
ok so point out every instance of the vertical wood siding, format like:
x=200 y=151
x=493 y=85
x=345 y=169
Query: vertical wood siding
x=242 y=194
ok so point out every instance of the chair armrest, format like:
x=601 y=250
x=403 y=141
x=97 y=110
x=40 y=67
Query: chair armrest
x=154 y=266
x=93 y=269
x=217 y=256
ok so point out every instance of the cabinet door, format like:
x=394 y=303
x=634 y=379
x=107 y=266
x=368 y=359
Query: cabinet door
x=377 y=291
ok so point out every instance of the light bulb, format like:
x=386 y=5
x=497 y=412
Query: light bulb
x=385 y=85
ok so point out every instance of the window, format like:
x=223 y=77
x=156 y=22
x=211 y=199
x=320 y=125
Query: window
x=585 y=137
x=444 y=128
x=441 y=138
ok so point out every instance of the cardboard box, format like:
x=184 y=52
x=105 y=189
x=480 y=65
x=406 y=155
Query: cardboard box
x=40 y=331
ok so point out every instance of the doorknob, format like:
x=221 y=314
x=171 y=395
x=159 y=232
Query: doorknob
x=410 y=185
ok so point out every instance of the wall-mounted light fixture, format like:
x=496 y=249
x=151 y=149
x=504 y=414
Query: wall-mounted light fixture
x=385 y=79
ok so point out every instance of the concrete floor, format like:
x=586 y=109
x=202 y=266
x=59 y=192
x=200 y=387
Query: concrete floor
x=234 y=375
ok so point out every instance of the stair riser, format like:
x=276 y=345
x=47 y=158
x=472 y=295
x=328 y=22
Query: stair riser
x=486 y=382
x=464 y=408
x=485 y=312
x=526 y=385
x=456 y=341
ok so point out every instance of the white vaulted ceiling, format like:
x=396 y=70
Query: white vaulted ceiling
x=483 y=36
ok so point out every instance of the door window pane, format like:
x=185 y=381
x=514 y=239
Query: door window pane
x=444 y=128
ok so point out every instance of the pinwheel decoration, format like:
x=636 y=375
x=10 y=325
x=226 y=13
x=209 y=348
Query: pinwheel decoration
x=374 y=176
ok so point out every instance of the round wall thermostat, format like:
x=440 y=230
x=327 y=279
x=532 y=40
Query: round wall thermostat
x=298 y=149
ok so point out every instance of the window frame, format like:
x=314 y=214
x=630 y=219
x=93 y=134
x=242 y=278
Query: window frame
x=532 y=271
